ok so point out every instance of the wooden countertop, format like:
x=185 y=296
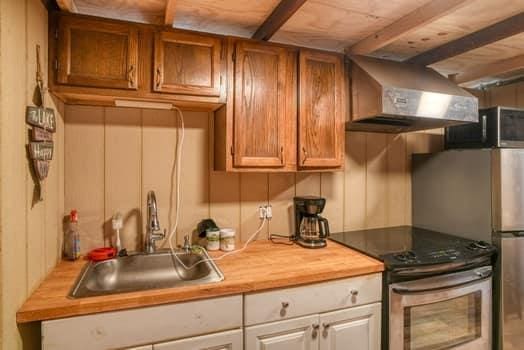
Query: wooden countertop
x=262 y=266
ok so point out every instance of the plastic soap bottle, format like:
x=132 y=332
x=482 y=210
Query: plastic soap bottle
x=72 y=239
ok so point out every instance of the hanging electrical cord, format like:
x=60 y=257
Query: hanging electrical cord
x=172 y=233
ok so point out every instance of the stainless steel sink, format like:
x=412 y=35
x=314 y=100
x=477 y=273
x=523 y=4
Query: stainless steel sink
x=144 y=271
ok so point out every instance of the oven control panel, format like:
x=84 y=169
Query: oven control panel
x=462 y=252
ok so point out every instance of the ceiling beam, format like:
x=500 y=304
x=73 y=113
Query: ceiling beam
x=485 y=70
x=423 y=15
x=498 y=31
x=67 y=5
x=284 y=10
x=169 y=17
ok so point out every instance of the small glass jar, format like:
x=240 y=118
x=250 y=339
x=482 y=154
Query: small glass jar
x=227 y=239
x=213 y=238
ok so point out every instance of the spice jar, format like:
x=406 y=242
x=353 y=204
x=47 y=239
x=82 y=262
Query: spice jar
x=213 y=238
x=227 y=239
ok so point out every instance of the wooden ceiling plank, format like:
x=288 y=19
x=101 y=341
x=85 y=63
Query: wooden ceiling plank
x=496 y=32
x=67 y=5
x=421 y=16
x=499 y=67
x=284 y=10
x=169 y=18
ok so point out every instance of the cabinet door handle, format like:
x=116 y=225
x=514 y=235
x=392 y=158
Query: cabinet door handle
x=158 y=78
x=285 y=304
x=315 y=327
x=326 y=329
x=282 y=154
x=131 y=76
x=353 y=292
x=304 y=151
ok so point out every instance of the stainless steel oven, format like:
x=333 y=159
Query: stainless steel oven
x=450 y=311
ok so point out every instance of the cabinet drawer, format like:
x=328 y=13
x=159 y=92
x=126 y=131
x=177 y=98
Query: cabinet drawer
x=121 y=329
x=316 y=298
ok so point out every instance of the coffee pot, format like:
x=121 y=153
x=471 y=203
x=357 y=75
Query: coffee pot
x=311 y=229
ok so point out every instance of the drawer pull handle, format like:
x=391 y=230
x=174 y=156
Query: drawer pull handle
x=354 y=292
x=283 y=310
x=314 y=334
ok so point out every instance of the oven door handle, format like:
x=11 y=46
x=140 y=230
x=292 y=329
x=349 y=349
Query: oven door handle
x=442 y=282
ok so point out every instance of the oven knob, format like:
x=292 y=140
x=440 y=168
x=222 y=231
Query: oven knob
x=406 y=256
x=482 y=245
x=478 y=245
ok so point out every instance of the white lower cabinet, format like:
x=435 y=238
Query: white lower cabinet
x=338 y=315
x=356 y=328
x=295 y=334
x=231 y=340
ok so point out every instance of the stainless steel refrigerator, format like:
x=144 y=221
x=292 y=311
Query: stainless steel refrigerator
x=479 y=194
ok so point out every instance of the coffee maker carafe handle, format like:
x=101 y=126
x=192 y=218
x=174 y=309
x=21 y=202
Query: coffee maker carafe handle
x=323 y=227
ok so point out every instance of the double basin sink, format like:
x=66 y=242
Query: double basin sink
x=140 y=272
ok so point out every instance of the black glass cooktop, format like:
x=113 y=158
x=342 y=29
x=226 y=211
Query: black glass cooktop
x=411 y=246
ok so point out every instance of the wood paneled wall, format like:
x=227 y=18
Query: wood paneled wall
x=115 y=155
x=30 y=231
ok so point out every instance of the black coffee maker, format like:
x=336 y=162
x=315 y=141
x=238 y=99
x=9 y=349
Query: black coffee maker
x=311 y=229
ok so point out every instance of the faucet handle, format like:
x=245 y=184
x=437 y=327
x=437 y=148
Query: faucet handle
x=187 y=244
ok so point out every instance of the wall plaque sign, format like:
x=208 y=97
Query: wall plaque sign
x=43 y=123
x=39 y=134
x=41 y=117
x=41 y=150
x=41 y=168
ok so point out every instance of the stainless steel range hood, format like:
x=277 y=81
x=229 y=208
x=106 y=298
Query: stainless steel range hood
x=395 y=97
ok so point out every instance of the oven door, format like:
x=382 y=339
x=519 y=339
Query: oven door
x=451 y=311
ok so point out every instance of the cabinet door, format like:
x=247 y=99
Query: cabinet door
x=321 y=112
x=260 y=109
x=231 y=340
x=356 y=328
x=295 y=334
x=97 y=53
x=187 y=64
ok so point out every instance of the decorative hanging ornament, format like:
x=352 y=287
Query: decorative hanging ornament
x=43 y=123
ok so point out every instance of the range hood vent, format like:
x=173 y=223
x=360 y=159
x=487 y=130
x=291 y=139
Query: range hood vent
x=396 y=97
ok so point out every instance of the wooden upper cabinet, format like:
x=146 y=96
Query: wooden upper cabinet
x=187 y=64
x=96 y=53
x=262 y=117
x=321 y=110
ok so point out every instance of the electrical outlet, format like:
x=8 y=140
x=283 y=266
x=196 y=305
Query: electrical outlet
x=262 y=212
x=265 y=212
x=269 y=212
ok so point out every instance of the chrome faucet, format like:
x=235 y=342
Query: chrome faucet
x=187 y=244
x=153 y=232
